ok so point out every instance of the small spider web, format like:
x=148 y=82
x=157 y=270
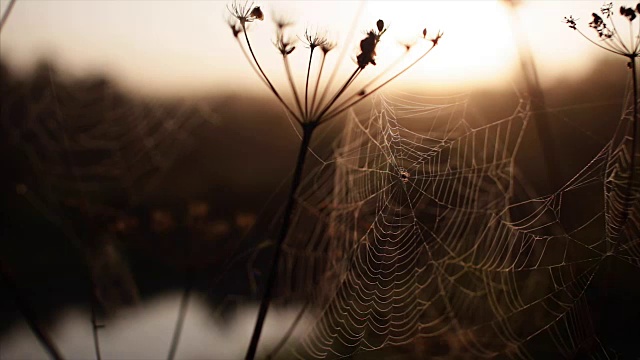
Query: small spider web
x=91 y=150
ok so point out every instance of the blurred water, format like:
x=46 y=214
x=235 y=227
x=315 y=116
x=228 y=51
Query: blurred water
x=145 y=332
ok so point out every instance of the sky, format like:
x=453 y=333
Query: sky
x=186 y=47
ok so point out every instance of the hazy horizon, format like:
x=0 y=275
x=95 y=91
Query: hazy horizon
x=170 y=47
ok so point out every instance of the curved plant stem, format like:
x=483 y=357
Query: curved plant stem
x=319 y=117
x=341 y=57
x=292 y=83
x=264 y=76
x=94 y=322
x=322 y=118
x=541 y=121
x=371 y=82
x=182 y=314
x=315 y=91
x=7 y=11
x=307 y=132
x=628 y=202
x=289 y=332
x=246 y=56
x=306 y=86
x=28 y=312
x=598 y=45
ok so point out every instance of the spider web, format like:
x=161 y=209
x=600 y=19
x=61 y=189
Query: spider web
x=421 y=231
x=89 y=149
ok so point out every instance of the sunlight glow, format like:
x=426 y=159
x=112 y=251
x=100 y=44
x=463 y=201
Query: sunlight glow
x=477 y=45
x=168 y=47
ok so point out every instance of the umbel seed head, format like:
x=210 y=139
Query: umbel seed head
x=628 y=13
x=257 y=13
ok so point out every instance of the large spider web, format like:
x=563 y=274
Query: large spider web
x=420 y=230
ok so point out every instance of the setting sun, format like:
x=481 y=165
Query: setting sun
x=477 y=45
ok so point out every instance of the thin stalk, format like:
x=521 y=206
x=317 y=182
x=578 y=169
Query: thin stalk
x=264 y=76
x=289 y=332
x=637 y=42
x=372 y=81
x=306 y=86
x=246 y=56
x=538 y=102
x=343 y=54
x=631 y=37
x=344 y=87
x=617 y=37
x=307 y=132
x=5 y=16
x=94 y=322
x=292 y=83
x=182 y=314
x=628 y=203
x=339 y=111
x=598 y=45
x=29 y=313
x=315 y=91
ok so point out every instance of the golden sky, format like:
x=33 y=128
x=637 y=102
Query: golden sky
x=167 y=46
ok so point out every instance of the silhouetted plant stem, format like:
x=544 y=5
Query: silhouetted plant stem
x=95 y=326
x=264 y=76
x=29 y=313
x=253 y=67
x=292 y=83
x=628 y=202
x=538 y=102
x=324 y=117
x=315 y=91
x=320 y=116
x=182 y=314
x=306 y=86
x=289 y=332
x=307 y=132
x=7 y=11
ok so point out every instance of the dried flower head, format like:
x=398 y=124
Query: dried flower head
x=600 y=27
x=571 y=22
x=437 y=38
x=281 y=21
x=629 y=13
x=245 y=12
x=327 y=46
x=407 y=44
x=314 y=105
x=313 y=39
x=368 y=45
x=368 y=50
x=257 y=13
x=606 y=31
x=284 y=45
x=234 y=25
x=606 y=9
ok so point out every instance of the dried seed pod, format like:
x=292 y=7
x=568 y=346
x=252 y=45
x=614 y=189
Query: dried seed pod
x=257 y=13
